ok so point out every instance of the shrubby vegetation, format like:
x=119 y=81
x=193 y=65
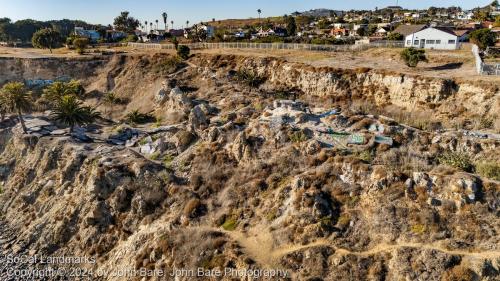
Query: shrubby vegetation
x=412 y=56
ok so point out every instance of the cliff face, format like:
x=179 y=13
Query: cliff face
x=242 y=183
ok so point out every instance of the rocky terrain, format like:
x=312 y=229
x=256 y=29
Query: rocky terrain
x=251 y=163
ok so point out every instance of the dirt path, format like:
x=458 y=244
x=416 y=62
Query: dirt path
x=261 y=247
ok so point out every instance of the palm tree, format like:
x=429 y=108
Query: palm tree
x=146 y=23
x=156 y=24
x=70 y=111
x=172 y=22
x=259 y=11
x=187 y=24
x=165 y=16
x=15 y=98
x=150 y=27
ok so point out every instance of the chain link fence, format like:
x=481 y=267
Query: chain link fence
x=273 y=46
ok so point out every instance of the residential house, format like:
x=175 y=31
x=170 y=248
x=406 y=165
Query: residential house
x=92 y=35
x=439 y=38
x=208 y=29
x=381 y=32
x=115 y=35
x=240 y=34
x=406 y=30
x=464 y=15
x=339 y=32
x=462 y=34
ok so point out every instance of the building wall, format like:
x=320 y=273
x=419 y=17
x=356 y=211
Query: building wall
x=434 y=39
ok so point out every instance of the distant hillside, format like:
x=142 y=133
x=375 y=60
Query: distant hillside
x=240 y=23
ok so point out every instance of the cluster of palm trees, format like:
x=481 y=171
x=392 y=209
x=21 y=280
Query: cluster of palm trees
x=164 y=16
x=63 y=99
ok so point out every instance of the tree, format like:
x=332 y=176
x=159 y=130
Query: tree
x=412 y=56
x=156 y=24
x=146 y=25
x=165 y=16
x=394 y=36
x=80 y=44
x=57 y=90
x=70 y=111
x=187 y=24
x=291 y=26
x=259 y=11
x=480 y=15
x=483 y=38
x=125 y=23
x=14 y=98
x=46 y=38
x=183 y=52
x=172 y=23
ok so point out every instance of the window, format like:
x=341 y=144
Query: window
x=438 y=41
x=416 y=42
x=451 y=41
x=408 y=42
x=430 y=42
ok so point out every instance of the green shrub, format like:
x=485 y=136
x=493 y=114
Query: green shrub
x=412 y=56
x=80 y=44
x=298 y=136
x=230 y=224
x=459 y=160
x=365 y=155
x=183 y=52
x=489 y=170
x=483 y=38
x=136 y=117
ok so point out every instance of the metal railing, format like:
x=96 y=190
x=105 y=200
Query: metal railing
x=273 y=46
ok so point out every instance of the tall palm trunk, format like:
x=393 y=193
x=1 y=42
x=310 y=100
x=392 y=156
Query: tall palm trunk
x=21 y=120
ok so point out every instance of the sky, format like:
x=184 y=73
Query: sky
x=103 y=11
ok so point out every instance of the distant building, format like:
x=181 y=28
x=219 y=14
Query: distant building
x=115 y=35
x=395 y=8
x=92 y=35
x=176 y=32
x=438 y=38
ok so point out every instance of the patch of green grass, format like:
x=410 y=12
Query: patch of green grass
x=168 y=159
x=297 y=137
x=230 y=224
x=459 y=160
x=365 y=156
x=154 y=156
x=489 y=170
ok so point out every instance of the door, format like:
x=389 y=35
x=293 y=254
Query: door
x=422 y=43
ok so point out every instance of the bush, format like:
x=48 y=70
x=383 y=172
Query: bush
x=183 y=52
x=483 y=38
x=137 y=117
x=80 y=44
x=230 y=224
x=394 y=36
x=457 y=160
x=412 y=56
x=249 y=78
x=489 y=170
x=168 y=65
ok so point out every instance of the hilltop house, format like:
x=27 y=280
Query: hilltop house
x=438 y=38
x=92 y=35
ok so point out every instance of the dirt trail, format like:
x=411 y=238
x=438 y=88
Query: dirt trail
x=261 y=247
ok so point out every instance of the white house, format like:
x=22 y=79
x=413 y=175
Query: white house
x=438 y=38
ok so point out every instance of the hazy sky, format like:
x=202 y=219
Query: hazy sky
x=103 y=11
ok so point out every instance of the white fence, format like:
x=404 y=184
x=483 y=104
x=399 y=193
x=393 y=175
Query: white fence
x=273 y=46
x=483 y=68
